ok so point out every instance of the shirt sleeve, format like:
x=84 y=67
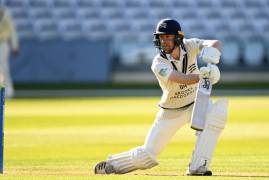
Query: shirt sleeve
x=162 y=71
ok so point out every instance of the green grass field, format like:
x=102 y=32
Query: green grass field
x=64 y=138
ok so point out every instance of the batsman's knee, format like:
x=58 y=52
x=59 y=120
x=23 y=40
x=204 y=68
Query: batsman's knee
x=217 y=116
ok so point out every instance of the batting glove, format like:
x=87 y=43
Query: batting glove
x=210 y=55
x=214 y=74
x=211 y=72
x=204 y=72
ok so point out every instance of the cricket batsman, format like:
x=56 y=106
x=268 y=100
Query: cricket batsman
x=176 y=70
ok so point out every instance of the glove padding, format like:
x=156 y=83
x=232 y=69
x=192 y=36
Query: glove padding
x=211 y=72
x=210 y=55
x=204 y=72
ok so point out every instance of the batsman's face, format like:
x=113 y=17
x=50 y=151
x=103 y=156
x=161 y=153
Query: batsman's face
x=167 y=42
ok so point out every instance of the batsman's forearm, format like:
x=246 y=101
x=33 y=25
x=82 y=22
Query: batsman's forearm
x=183 y=78
x=191 y=79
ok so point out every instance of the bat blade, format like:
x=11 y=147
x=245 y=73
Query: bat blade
x=199 y=112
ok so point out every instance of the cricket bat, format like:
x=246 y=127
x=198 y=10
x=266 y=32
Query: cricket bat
x=199 y=112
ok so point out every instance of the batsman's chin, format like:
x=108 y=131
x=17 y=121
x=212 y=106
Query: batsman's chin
x=167 y=50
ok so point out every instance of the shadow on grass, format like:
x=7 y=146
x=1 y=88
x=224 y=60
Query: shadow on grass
x=250 y=176
x=217 y=175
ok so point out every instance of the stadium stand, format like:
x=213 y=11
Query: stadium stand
x=130 y=24
x=254 y=52
x=46 y=29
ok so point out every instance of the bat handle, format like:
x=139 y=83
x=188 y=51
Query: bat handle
x=207 y=82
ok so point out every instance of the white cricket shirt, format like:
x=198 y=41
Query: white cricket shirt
x=176 y=95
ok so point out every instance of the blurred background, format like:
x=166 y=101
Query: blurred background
x=89 y=44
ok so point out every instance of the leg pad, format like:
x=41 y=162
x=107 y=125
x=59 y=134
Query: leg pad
x=137 y=158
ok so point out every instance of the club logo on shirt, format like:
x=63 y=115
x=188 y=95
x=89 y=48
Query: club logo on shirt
x=163 y=72
x=182 y=86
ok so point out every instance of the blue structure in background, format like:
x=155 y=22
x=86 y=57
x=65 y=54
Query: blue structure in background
x=2 y=104
x=44 y=25
x=62 y=61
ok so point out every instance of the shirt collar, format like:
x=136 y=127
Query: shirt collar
x=182 y=53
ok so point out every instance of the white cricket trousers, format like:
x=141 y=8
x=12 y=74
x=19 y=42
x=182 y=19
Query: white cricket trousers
x=165 y=126
x=4 y=69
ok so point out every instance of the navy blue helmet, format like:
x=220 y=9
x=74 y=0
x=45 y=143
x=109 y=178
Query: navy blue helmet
x=168 y=26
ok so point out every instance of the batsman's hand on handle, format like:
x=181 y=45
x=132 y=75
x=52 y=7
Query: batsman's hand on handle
x=204 y=72
x=210 y=55
x=210 y=72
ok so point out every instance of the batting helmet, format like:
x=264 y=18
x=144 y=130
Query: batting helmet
x=168 y=26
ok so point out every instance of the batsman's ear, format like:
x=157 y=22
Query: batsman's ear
x=181 y=34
